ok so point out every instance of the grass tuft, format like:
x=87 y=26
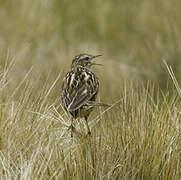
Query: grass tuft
x=138 y=137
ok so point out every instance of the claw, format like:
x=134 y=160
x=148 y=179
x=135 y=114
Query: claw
x=71 y=127
x=89 y=134
x=73 y=130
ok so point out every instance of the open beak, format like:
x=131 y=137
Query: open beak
x=96 y=64
x=94 y=58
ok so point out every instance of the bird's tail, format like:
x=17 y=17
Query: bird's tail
x=99 y=104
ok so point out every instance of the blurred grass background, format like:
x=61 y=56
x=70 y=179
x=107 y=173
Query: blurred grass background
x=140 y=139
x=134 y=36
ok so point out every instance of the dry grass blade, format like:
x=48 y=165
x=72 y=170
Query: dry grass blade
x=172 y=75
x=94 y=121
x=23 y=80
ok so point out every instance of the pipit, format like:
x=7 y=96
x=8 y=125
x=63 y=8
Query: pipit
x=80 y=88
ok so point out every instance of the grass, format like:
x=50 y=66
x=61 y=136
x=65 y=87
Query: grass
x=138 y=137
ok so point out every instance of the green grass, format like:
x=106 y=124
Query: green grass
x=138 y=137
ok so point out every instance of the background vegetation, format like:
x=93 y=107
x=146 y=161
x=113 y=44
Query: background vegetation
x=138 y=137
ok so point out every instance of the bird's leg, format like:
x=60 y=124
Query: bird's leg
x=88 y=129
x=71 y=127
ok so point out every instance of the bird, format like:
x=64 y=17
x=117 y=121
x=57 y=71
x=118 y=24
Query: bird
x=80 y=87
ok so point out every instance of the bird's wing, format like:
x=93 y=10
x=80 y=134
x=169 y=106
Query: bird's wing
x=80 y=90
x=80 y=98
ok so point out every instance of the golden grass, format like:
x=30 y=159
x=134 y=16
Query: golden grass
x=138 y=137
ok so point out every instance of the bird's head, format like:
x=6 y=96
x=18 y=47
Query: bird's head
x=83 y=60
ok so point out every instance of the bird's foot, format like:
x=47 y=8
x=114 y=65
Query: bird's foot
x=71 y=128
x=88 y=134
x=74 y=131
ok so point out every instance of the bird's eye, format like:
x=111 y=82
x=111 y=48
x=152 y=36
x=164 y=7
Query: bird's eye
x=87 y=58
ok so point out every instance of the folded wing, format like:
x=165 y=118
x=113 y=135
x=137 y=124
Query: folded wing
x=80 y=89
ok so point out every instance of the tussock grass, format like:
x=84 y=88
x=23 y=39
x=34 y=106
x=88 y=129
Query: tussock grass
x=137 y=138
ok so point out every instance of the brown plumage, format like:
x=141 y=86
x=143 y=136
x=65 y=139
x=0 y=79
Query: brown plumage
x=80 y=87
